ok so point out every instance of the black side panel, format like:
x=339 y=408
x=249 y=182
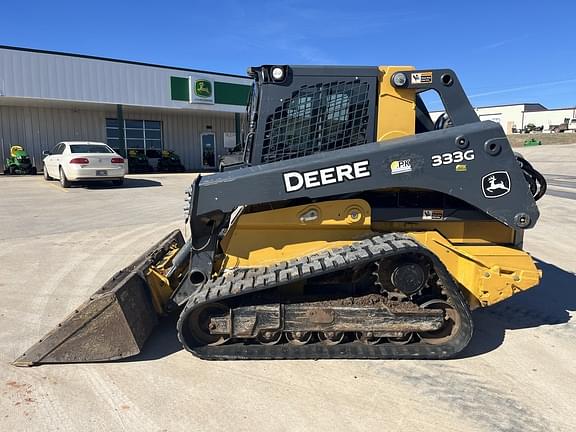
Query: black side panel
x=506 y=198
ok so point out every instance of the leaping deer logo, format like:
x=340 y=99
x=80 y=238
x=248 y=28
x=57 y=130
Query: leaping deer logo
x=496 y=185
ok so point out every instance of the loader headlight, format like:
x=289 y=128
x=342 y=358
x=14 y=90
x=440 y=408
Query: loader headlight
x=399 y=79
x=277 y=73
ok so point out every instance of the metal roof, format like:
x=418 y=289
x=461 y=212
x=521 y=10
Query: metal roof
x=39 y=75
x=85 y=56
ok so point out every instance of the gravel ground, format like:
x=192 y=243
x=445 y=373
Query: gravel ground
x=57 y=246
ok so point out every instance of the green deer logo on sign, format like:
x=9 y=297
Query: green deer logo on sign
x=203 y=88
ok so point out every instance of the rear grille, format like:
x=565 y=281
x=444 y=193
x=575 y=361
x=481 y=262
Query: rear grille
x=318 y=118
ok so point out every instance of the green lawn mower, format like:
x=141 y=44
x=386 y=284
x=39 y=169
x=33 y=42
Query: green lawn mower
x=532 y=142
x=170 y=162
x=19 y=162
x=138 y=162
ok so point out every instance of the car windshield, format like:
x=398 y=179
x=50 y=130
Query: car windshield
x=89 y=148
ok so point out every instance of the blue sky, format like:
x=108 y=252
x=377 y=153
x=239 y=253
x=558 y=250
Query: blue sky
x=503 y=51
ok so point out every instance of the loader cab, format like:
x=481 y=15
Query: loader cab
x=298 y=111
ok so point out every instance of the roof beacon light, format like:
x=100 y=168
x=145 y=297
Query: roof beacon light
x=277 y=73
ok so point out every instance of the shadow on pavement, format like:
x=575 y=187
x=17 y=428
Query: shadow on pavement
x=129 y=183
x=162 y=342
x=547 y=304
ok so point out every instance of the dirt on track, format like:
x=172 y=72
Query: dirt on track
x=57 y=247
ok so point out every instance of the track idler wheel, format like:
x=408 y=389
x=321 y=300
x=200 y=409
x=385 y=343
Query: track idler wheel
x=449 y=329
x=199 y=324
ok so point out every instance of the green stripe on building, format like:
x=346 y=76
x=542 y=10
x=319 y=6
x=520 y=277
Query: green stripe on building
x=179 y=89
x=224 y=93
x=231 y=94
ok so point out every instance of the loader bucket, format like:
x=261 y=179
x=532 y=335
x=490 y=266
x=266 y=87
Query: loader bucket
x=113 y=324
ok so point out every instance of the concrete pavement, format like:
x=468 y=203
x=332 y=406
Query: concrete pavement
x=57 y=246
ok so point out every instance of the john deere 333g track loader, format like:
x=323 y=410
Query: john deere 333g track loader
x=355 y=227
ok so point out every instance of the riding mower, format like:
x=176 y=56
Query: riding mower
x=170 y=162
x=138 y=162
x=18 y=162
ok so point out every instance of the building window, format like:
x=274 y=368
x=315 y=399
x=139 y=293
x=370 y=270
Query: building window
x=143 y=135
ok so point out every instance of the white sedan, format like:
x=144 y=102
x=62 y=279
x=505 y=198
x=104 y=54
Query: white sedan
x=71 y=161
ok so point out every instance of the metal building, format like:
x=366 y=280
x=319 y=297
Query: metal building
x=516 y=116
x=47 y=97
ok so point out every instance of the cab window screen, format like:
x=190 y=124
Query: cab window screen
x=317 y=118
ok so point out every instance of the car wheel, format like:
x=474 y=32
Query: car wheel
x=33 y=171
x=118 y=182
x=46 y=176
x=63 y=180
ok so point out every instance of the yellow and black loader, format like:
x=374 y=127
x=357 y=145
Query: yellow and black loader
x=354 y=227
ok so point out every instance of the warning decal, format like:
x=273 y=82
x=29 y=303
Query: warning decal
x=433 y=214
x=421 y=78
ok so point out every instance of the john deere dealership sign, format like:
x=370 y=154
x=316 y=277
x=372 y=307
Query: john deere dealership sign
x=201 y=90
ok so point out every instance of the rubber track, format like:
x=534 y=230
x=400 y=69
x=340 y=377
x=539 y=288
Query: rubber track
x=244 y=281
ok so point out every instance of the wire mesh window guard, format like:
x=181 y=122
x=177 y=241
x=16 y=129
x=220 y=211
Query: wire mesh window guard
x=318 y=118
